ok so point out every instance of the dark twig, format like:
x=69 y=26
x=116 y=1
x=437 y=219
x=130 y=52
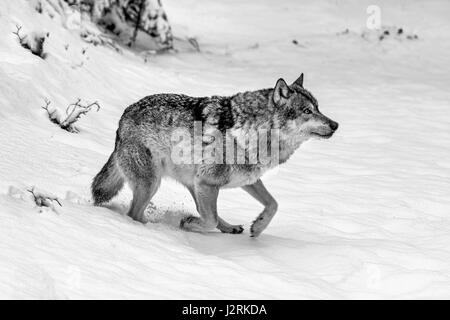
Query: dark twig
x=17 y=33
x=52 y=115
x=44 y=200
x=73 y=113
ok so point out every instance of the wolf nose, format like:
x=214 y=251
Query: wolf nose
x=334 y=125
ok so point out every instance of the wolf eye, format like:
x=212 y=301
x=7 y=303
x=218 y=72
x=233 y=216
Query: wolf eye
x=307 y=111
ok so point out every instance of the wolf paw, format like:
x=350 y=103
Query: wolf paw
x=234 y=229
x=187 y=220
x=258 y=226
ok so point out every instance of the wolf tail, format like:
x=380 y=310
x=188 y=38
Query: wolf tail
x=108 y=182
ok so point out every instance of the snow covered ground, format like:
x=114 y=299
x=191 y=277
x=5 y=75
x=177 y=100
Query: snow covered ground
x=365 y=214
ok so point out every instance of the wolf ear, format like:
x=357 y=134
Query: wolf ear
x=281 y=91
x=299 y=81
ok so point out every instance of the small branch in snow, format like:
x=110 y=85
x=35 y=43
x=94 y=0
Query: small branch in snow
x=17 y=33
x=43 y=199
x=53 y=115
x=33 y=42
x=73 y=113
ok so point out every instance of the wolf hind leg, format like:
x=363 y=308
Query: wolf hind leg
x=143 y=191
x=144 y=176
x=206 y=201
x=222 y=225
x=260 y=193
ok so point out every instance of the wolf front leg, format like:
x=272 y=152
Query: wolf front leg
x=260 y=193
x=206 y=201
x=222 y=225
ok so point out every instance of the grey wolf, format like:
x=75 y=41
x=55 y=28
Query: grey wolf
x=143 y=147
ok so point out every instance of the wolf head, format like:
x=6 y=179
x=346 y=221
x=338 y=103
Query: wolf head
x=299 y=111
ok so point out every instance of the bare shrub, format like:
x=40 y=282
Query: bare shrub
x=73 y=113
x=44 y=199
x=33 y=42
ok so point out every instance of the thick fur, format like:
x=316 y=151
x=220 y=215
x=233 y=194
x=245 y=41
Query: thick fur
x=142 y=154
x=109 y=181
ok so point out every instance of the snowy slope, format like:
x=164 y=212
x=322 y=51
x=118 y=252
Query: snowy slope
x=365 y=214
